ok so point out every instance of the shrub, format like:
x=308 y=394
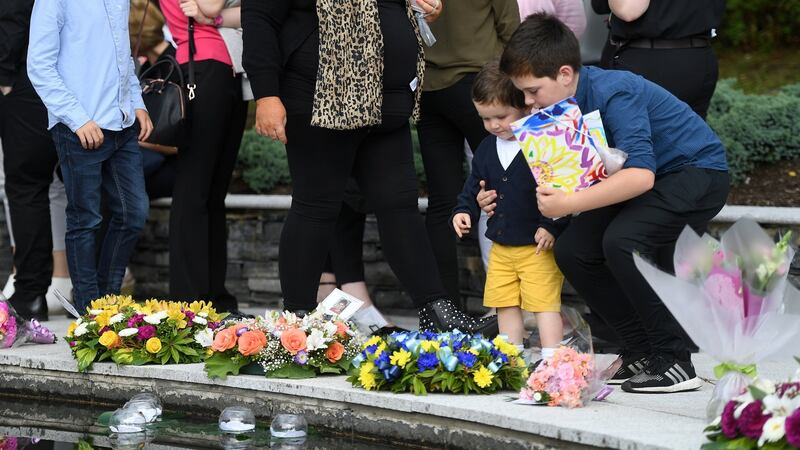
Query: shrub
x=262 y=162
x=760 y=24
x=755 y=128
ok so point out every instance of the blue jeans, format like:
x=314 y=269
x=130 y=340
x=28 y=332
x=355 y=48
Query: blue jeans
x=114 y=169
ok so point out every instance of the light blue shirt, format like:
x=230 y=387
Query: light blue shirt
x=79 y=61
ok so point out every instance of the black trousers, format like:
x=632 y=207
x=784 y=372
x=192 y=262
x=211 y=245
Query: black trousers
x=687 y=73
x=198 y=238
x=448 y=117
x=380 y=159
x=29 y=161
x=595 y=255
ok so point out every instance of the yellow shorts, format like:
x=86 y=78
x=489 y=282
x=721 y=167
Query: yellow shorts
x=517 y=276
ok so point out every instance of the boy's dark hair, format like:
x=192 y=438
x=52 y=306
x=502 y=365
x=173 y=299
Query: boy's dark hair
x=493 y=86
x=539 y=47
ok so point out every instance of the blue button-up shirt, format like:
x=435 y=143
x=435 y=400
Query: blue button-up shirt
x=79 y=61
x=658 y=131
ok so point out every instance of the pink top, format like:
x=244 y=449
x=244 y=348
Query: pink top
x=208 y=42
x=570 y=12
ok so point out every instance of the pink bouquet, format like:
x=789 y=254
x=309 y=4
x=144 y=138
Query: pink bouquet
x=733 y=299
x=562 y=380
x=15 y=331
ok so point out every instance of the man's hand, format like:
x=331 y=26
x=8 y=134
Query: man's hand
x=5 y=90
x=462 y=224
x=432 y=8
x=271 y=118
x=145 y=124
x=544 y=240
x=553 y=203
x=486 y=199
x=91 y=135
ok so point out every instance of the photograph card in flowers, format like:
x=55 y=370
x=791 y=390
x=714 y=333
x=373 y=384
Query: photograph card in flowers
x=422 y=362
x=767 y=416
x=118 y=329
x=734 y=300
x=283 y=345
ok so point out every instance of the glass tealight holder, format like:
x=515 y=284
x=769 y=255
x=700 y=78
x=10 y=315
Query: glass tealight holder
x=230 y=441
x=130 y=441
x=237 y=419
x=149 y=396
x=289 y=426
x=147 y=408
x=127 y=420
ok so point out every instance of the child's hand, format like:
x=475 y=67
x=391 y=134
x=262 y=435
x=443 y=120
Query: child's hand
x=544 y=240
x=462 y=222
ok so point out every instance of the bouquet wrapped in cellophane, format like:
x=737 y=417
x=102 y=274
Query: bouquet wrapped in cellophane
x=733 y=298
x=14 y=330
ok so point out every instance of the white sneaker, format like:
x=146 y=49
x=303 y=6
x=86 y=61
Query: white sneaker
x=64 y=286
x=8 y=290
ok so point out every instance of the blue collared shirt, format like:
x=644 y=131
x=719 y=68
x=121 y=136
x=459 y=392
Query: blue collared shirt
x=79 y=61
x=658 y=131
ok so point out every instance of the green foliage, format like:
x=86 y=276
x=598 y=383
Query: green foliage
x=755 y=128
x=263 y=162
x=222 y=364
x=760 y=24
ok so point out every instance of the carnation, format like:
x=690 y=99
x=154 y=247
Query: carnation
x=728 y=422
x=792 y=428
x=752 y=420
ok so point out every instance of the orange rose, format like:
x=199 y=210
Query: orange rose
x=334 y=352
x=252 y=342
x=293 y=340
x=341 y=328
x=224 y=340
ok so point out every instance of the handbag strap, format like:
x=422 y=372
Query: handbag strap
x=141 y=30
x=191 y=82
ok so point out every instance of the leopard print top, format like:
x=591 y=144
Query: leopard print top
x=349 y=86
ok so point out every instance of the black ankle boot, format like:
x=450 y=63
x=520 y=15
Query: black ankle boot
x=443 y=315
x=30 y=307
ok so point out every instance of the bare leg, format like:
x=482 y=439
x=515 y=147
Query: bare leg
x=551 y=328
x=327 y=283
x=509 y=320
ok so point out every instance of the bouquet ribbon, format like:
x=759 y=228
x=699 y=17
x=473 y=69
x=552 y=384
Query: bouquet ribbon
x=746 y=369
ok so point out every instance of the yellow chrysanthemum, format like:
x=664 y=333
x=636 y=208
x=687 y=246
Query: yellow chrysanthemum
x=429 y=346
x=381 y=348
x=367 y=380
x=474 y=351
x=373 y=341
x=483 y=377
x=400 y=358
x=366 y=368
x=505 y=347
x=71 y=329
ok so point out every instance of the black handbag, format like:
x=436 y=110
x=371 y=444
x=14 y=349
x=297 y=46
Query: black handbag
x=164 y=99
x=165 y=102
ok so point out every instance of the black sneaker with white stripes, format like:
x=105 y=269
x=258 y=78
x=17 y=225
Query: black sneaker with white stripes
x=664 y=374
x=632 y=364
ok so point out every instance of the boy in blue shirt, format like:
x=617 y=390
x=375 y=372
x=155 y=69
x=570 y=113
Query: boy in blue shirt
x=522 y=273
x=79 y=62
x=676 y=174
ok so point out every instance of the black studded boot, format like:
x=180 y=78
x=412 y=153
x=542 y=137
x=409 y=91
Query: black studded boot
x=443 y=315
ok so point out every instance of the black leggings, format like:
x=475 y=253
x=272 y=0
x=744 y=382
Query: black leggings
x=346 y=256
x=687 y=73
x=448 y=117
x=380 y=159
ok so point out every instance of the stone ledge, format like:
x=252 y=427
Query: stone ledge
x=729 y=214
x=626 y=421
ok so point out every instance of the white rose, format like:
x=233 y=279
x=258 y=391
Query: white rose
x=773 y=430
x=199 y=320
x=315 y=340
x=128 y=332
x=537 y=396
x=81 y=330
x=204 y=337
x=330 y=328
x=116 y=318
x=95 y=312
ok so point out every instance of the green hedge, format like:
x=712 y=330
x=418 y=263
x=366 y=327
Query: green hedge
x=760 y=24
x=755 y=128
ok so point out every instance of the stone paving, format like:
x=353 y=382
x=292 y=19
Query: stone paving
x=626 y=421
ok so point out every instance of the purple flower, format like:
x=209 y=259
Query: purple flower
x=103 y=330
x=426 y=361
x=301 y=358
x=729 y=421
x=788 y=388
x=467 y=359
x=242 y=331
x=73 y=343
x=146 y=332
x=751 y=422
x=135 y=320
x=213 y=325
x=792 y=427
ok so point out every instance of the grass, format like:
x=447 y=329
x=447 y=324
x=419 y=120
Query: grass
x=760 y=72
